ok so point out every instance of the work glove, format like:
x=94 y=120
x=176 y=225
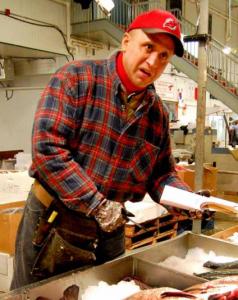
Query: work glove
x=109 y=215
x=195 y=214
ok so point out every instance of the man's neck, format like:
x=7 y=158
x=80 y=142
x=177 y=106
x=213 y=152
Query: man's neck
x=130 y=88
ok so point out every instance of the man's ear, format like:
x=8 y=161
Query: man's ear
x=125 y=41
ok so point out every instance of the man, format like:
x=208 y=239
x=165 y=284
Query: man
x=234 y=137
x=100 y=138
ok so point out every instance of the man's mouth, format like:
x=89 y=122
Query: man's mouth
x=145 y=72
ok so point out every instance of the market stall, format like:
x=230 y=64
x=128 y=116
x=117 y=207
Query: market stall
x=141 y=263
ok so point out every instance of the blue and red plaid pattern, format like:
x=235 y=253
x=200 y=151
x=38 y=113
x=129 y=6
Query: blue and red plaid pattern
x=83 y=147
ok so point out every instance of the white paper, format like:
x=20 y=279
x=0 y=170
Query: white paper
x=187 y=200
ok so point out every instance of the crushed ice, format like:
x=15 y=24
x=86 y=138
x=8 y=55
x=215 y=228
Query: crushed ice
x=194 y=260
x=108 y=292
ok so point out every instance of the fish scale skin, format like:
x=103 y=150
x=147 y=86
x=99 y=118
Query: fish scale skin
x=220 y=289
x=214 y=265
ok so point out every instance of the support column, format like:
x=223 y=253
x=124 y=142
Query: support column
x=201 y=101
x=201 y=104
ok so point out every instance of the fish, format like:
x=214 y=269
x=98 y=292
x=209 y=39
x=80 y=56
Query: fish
x=219 y=289
x=137 y=281
x=215 y=265
x=165 y=293
x=71 y=293
x=215 y=274
x=221 y=282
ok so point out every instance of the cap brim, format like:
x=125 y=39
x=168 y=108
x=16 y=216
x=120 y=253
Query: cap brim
x=179 y=51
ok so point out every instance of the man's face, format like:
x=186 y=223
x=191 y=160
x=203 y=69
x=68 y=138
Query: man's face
x=145 y=56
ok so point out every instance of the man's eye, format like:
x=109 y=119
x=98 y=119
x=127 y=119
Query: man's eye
x=148 y=47
x=164 y=55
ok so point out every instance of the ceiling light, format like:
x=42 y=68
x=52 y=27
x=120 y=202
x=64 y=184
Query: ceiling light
x=106 y=6
x=227 y=50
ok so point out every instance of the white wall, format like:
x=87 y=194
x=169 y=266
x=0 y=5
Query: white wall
x=43 y=12
x=16 y=119
x=219 y=11
x=181 y=85
x=17 y=114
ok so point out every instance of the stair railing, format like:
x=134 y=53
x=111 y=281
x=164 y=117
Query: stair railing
x=222 y=67
x=124 y=12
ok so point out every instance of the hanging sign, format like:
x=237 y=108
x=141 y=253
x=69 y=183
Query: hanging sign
x=196 y=94
x=191 y=92
x=164 y=89
x=180 y=97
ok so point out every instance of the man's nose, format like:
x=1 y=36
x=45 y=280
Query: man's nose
x=153 y=60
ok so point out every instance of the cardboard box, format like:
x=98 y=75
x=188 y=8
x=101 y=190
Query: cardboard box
x=188 y=177
x=17 y=184
x=210 y=178
x=8 y=227
x=223 y=235
x=213 y=193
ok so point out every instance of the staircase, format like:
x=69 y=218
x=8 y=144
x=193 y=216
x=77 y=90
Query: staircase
x=222 y=69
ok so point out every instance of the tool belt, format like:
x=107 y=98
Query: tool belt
x=66 y=238
x=41 y=194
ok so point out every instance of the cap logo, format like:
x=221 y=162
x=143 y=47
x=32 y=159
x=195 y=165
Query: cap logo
x=170 y=23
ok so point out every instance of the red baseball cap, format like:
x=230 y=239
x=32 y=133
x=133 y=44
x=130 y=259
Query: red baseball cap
x=156 y=21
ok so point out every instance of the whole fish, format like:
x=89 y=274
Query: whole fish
x=71 y=293
x=215 y=265
x=222 y=289
x=225 y=281
x=229 y=292
x=165 y=293
x=138 y=282
x=219 y=289
x=217 y=273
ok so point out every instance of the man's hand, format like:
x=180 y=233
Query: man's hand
x=202 y=215
x=196 y=214
x=109 y=215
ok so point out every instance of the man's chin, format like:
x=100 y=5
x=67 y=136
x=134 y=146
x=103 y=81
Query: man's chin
x=141 y=84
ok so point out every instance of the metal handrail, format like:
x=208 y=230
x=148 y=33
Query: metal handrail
x=222 y=67
x=124 y=12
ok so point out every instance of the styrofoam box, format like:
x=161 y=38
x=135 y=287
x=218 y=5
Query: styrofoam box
x=6 y=271
x=145 y=210
x=22 y=167
x=23 y=158
x=14 y=186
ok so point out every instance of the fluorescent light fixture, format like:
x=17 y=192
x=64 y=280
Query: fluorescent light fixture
x=106 y=6
x=227 y=50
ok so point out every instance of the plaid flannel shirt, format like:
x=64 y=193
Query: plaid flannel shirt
x=85 y=150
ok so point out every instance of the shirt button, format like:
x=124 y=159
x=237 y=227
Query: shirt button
x=114 y=156
x=104 y=181
x=123 y=106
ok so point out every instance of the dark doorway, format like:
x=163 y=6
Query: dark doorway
x=172 y=4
